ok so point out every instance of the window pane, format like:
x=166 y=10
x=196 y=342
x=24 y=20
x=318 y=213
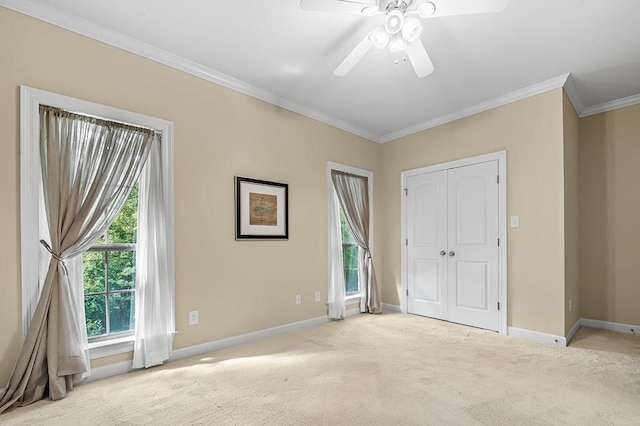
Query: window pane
x=125 y=226
x=94 y=308
x=346 y=232
x=122 y=270
x=350 y=263
x=121 y=308
x=351 y=280
x=350 y=257
x=111 y=272
x=93 y=271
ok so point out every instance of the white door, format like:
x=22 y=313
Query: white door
x=427 y=244
x=473 y=245
x=452 y=245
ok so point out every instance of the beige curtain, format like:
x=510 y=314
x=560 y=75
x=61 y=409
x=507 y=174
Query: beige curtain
x=88 y=169
x=353 y=194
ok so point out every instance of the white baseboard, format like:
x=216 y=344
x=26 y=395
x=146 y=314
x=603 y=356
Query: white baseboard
x=390 y=307
x=109 y=370
x=573 y=330
x=536 y=336
x=244 y=338
x=125 y=366
x=613 y=326
x=564 y=341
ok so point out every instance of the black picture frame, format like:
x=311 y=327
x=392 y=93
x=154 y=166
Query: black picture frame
x=262 y=209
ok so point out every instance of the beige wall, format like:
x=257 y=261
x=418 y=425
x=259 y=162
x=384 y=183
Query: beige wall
x=531 y=132
x=571 y=124
x=609 y=212
x=237 y=287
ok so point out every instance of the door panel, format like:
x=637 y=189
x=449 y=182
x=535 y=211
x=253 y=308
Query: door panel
x=426 y=272
x=425 y=231
x=472 y=289
x=473 y=245
x=426 y=238
x=471 y=210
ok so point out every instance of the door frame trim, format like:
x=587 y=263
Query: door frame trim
x=501 y=157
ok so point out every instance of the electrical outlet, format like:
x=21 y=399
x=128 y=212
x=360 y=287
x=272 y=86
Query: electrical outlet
x=193 y=317
x=298 y=299
x=317 y=296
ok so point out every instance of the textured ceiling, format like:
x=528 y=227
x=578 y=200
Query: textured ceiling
x=277 y=52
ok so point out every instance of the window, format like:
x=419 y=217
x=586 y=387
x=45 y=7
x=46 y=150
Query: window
x=109 y=266
x=109 y=275
x=349 y=258
x=343 y=252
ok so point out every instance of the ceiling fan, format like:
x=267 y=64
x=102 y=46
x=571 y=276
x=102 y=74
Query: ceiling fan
x=401 y=30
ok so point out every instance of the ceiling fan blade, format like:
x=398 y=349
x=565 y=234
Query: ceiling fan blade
x=462 y=7
x=354 y=57
x=340 y=6
x=419 y=58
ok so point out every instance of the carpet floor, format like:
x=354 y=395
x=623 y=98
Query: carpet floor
x=391 y=369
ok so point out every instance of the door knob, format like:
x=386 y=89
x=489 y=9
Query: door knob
x=442 y=253
x=452 y=253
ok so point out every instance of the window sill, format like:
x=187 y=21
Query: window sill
x=352 y=298
x=111 y=347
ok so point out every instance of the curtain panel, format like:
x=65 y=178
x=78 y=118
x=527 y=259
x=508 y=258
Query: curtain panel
x=89 y=167
x=154 y=323
x=337 y=291
x=353 y=194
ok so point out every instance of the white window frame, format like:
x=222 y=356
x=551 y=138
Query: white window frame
x=33 y=256
x=352 y=297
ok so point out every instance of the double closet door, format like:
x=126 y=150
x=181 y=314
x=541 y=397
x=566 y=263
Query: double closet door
x=452 y=245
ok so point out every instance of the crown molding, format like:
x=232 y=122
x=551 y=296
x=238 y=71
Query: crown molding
x=72 y=23
x=610 y=106
x=572 y=94
x=583 y=111
x=527 y=92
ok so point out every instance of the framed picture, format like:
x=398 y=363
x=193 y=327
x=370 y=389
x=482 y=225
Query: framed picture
x=262 y=209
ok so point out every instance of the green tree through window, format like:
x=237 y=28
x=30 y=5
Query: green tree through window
x=349 y=257
x=109 y=271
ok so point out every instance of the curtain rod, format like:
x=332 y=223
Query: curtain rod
x=348 y=174
x=157 y=133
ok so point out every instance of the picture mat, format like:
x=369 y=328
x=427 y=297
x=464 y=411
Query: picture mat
x=257 y=230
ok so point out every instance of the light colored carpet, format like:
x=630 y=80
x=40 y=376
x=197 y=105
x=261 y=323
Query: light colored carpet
x=391 y=369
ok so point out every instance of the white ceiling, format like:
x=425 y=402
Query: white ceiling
x=279 y=53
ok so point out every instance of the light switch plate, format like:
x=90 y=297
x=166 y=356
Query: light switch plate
x=515 y=221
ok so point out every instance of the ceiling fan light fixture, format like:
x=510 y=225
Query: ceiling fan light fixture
x=426 y=9
x=394 y=21
x=379 y=37
x=411 y=30
x=397 y=44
